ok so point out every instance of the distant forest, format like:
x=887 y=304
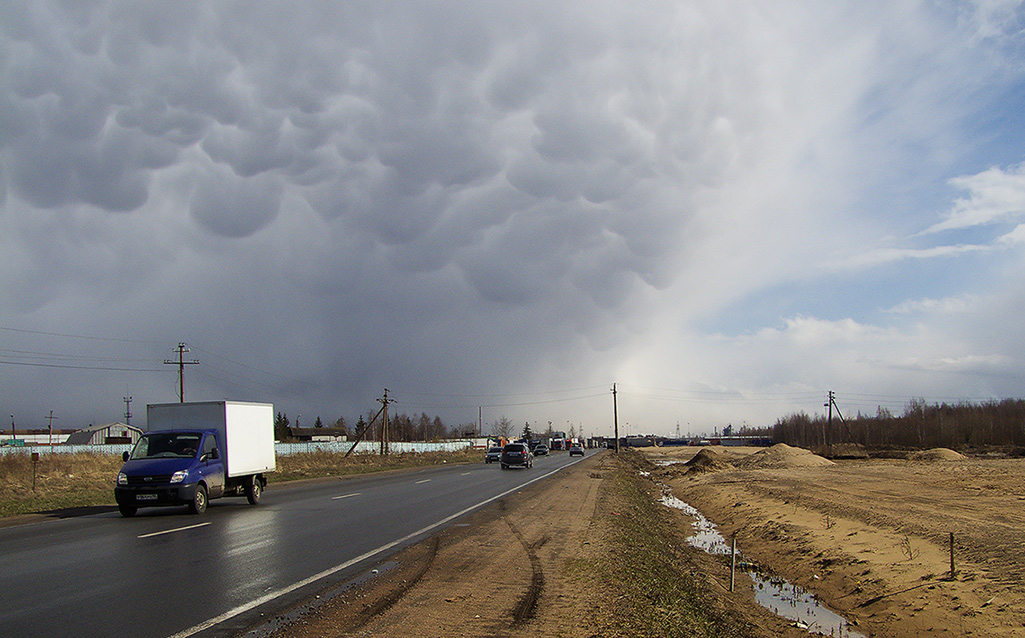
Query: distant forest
x=401 y=427
x=958 y=426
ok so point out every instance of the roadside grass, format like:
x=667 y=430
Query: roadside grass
x=317 y=464
x=61 y=481
x=65 y=481
x=650 y=585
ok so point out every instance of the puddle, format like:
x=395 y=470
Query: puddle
x=775 y=594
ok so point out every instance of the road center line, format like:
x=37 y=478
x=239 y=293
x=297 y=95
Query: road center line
x=423 y=481
x=241 y=609
x=171 y=531
x=335 y=498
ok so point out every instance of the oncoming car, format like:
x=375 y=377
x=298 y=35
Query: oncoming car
x=493 y=454
x=517 y=454
x=576 y=449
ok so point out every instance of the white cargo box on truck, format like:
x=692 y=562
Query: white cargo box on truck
x=246 y=430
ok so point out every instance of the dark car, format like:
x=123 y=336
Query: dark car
x=575 y=449
x=541 y=450
x=517 y=454
x=493 y=454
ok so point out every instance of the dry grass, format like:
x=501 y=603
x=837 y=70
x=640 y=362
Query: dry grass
x=79 y=480
x=61 y=481
x=306 y=465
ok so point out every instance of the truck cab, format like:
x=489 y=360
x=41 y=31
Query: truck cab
x=177 y=467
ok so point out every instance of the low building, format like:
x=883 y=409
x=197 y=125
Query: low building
x=107 y=434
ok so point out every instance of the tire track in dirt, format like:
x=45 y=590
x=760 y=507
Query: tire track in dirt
x=385 y=603
x=526 y=607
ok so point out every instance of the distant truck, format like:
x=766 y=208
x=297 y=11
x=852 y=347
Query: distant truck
x=194 y=452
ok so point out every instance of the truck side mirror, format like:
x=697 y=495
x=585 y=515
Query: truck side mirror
x=124 y=457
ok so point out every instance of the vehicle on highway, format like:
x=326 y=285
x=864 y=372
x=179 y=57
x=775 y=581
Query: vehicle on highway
x=576 y=449
x=517 y=454
x=541 y=450
x=194 y=452
x=493 y=454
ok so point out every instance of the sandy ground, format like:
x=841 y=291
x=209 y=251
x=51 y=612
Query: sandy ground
x=516 y=568
x=872 y=537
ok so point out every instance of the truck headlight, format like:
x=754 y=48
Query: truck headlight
x=122 y=478
x=179 y=476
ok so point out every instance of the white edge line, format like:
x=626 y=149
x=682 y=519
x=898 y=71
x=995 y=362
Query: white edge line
x=172 y=531
x=241 y=609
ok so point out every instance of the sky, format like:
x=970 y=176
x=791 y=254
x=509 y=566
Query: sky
x=725 y=209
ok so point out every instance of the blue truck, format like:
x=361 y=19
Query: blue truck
x=194 y=452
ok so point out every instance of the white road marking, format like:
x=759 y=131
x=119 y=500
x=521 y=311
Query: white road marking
x=335 y=498
x=241 y=609
x=423 y=481
x=172 y=531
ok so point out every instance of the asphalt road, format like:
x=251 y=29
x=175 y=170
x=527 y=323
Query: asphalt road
x=166 y=573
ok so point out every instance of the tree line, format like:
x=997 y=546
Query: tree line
x=401 y=427
x=920 y=425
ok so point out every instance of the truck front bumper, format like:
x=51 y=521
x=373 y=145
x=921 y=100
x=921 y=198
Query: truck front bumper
x=154 y=495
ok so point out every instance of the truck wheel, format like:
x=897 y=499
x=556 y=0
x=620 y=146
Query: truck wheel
x=254 y=489
x=198 y=504
x=127 y=510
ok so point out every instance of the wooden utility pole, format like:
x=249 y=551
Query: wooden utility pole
x=384 y=422
x=49 y=427
x=366 y=428
x=829 y=422
x=181 y=362
x=615 y=416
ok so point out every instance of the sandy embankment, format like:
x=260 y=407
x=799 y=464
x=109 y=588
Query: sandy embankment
x=871 y=537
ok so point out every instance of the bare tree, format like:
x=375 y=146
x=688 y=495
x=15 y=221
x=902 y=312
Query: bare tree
x=502 y=427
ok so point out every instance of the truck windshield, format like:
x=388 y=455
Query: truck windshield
x=165 y=445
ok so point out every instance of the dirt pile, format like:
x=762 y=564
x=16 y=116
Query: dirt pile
x=782 y=455
x=937 y=454
x=707 y=460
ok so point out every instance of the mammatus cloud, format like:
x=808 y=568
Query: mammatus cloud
x=461 y=199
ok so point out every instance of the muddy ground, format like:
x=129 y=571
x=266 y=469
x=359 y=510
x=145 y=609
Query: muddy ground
x=872 y=537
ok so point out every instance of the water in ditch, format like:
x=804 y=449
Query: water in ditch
x=775 y=594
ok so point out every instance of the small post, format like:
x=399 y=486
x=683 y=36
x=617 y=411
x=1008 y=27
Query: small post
x=952 y=570
x=733 y=564
x=35 y=459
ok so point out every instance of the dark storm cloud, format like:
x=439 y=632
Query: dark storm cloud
x=444 y=194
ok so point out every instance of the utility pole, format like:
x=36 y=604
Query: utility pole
x=829 y=422
x=181 y=362
x=384 y=422
x=615 y=416
x=128 y=410
x=50 y=427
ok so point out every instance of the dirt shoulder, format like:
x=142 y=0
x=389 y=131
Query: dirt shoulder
x=587 y=553
x=872 y=537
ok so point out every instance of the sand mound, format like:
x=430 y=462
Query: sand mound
x=782 y=455
x=937 y=454
x=707 y=460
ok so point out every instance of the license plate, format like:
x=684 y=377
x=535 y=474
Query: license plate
x=145 y=497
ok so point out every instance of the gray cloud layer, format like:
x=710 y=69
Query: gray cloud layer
x=455 y=197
